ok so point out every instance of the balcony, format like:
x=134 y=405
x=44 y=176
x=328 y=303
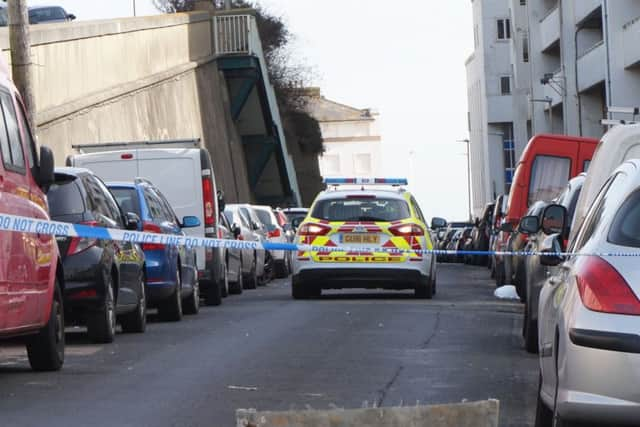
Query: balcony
x=630 y=37
x=591 y=67
x=583 y=9
x=550 y=29
x=553 y=89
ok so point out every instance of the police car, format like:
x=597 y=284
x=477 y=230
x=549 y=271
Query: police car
x=363 y=215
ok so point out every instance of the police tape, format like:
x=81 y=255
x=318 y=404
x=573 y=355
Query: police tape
x=14 y=223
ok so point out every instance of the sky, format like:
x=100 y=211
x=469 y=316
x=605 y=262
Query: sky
x=405 y=61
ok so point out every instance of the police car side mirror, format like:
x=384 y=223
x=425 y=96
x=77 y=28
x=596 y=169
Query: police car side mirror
x=131 y=221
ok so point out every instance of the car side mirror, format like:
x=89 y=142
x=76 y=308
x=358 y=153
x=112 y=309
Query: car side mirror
x=255 y=226
x=507 y=227
x=71 y=17
x=554 y=219
x=529 y=225
x=551 y=248
x=131 y=221
x=437 y=222
x=44 y=173
x=190 y=222
x=236 y=231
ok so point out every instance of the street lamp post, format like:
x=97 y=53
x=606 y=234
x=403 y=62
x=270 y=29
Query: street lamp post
x=468 y=143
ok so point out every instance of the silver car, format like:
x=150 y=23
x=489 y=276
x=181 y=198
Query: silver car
x=589 y=313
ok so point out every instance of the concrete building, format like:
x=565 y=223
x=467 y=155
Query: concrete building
x=351 y=138
x=490 y=86
x=565 y=63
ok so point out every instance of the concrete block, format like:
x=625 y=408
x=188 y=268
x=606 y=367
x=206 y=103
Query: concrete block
x=472 y=414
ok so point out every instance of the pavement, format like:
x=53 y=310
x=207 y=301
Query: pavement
x=263 y=350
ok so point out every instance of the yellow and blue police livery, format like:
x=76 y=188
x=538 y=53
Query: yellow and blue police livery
x=371 y=218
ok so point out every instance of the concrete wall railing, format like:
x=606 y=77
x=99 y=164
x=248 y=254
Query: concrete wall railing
x=550 y=29
x=591 y=67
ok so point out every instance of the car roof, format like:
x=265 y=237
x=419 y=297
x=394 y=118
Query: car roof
x=45 y=6
x=72 y=171
x=121 y=184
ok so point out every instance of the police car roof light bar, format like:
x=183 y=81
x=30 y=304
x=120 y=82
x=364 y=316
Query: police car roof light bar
x=366 y=181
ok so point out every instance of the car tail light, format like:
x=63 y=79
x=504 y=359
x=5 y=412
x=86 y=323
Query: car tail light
x=149 y=227
x=406 y=230
x=275 y=233
x=208 y=202
x=603 y=289
x=311 y=229
x=81 y=244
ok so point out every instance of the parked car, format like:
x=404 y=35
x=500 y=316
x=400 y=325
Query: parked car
x=619 y=144
x=275 y=234
x=171 y=272
x=263 y=257
x=233 y=258
x=482 y=235
x=285 y=223
x=496 y=244
x=457 y=242
x=103 y=279
x=444 y=244
x=251 y=260
x=30 y=262
x=49 y=15
x=296 y=215
x=589 y=312
x=184 y=173
x=536 y=273
x=546 y=165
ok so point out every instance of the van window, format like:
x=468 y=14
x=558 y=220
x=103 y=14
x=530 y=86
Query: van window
x=266 y=219
x=14 y=156
x=549 y=175
x=30 y=143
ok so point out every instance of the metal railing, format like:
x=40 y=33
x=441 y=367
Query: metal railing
x=235 y=34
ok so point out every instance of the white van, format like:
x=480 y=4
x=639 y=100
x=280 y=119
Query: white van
x=184 y=174
x=618 y=145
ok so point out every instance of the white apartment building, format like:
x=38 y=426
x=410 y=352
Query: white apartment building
x=351 y=138
x=569 y=61
x=492 y=93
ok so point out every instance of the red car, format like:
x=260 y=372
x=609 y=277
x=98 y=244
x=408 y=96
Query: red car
x=30 y=292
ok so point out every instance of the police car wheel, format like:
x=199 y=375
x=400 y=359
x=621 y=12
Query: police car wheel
x=424 y=290
x=300 y=290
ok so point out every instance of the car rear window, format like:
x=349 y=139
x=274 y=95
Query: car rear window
x=625 y=228
x=549 y=176
x=374 y=209
x=65 y=198
x=266 y=219
x=127 y=199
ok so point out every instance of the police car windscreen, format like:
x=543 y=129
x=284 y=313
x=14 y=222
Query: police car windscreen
x=361 y=209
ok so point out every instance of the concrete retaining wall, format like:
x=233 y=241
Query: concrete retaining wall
x=135 y=79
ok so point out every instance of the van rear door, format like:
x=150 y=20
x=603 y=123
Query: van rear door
x=553 y=163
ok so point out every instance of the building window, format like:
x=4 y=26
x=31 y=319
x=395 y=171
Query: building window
x=331 y=164
x=505 y=85
x=523 y=2
x=504 y=29
x=509 y=151
x=362 y=164
x=525 y=48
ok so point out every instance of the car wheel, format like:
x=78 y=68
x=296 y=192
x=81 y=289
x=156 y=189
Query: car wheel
x=237 y=287
x=101 y=324
x=46 y=349
x=171 y=309
x=192 y=304
x=136 y=321
x=301 y=290
x=224 y=281
x=424 y=290
x=252 y=281
x=529 y=328
x=544 y=415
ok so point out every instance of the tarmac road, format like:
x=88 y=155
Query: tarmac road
x=264 y=350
